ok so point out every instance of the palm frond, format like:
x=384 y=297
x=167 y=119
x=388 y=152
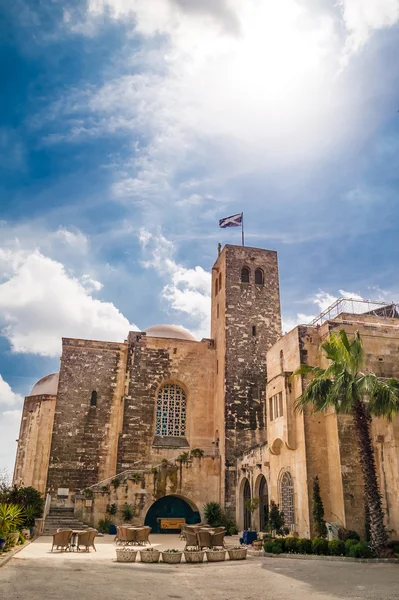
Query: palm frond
x=316 y=394
x=384 y=398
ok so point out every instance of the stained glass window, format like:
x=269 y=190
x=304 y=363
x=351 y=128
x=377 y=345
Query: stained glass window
x=171 y=411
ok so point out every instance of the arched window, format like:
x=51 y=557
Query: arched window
x=259 y=277
x=263 y=504
x=171 y=411
x=93 y=400
x=247 y=512
x=286 y=496
x=245 y=275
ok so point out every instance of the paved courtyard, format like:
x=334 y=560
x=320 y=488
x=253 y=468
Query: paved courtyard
x=37 y=574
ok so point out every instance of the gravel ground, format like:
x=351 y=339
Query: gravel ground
x=38 y=575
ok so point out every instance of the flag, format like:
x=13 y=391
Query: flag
x=233 y=221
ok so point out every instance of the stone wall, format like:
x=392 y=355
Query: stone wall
x=85 y=437
x=245 y=326
x=197 y=481
x=153 y=362
x=34 y=442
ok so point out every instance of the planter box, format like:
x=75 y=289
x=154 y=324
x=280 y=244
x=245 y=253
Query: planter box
x=125 y=555
x=215 y=555
x=237 y=553
x=249 y=537
x=194 y=557
x=172 y=557
x=149 y=556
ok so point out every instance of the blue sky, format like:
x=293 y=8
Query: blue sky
x=129 y=127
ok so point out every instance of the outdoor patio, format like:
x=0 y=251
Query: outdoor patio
x=105 y=547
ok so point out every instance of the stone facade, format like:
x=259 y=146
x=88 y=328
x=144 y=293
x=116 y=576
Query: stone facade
x=134 y=412
x=245 y=323
x=305 y=445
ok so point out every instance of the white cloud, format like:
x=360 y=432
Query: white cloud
x=7 y=396
x=188 y=290
x=9 y=427
x=9 y=424
x=40 y=302
x=363 y=17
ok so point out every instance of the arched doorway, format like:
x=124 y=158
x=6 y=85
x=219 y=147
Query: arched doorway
x=247 y=513
x=171 y=507
x=263 y=504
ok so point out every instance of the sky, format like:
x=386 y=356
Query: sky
x=128 y=128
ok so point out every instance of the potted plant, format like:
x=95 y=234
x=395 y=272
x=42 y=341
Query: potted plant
x=172 y=556
x=194 y=556
x=150 y=555
x=249 y=536
x=237 y=553
x=11 y=517
x=125 y=554
x=215 y=555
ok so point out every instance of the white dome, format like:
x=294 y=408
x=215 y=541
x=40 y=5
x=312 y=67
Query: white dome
x=46 y=386
x=169 y=331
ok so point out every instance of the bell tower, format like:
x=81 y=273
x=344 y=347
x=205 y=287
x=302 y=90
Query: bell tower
x=245 y=323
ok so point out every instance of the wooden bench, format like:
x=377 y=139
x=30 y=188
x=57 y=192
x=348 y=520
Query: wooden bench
x=171 y=523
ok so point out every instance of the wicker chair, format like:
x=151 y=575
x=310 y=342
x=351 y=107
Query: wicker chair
x=86 y=539
x=191 y=539
x=218 y=539
x=131 y=535
x=142 y=535
x=204 y=539
x=62 y=540
x=218 y=529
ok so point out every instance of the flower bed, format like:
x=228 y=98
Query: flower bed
x=172 y=556
x=150 y=555
x=215 y=555
x=194 y=556
x=319 y=546
x=237 y=553
x=125 y=554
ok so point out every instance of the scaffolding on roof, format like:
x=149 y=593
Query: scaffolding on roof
x=355 y=306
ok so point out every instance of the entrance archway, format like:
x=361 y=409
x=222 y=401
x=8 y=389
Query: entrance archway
x=171 y=507
x=263 y=504
x=247 y=512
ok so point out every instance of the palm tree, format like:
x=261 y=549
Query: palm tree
x=346 y=387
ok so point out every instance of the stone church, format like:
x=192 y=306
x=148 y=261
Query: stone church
x=166 y=423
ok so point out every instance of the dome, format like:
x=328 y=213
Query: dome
x=46 y=386
x=169 y=331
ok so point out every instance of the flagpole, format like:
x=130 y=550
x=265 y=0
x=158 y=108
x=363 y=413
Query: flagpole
x=242 y=229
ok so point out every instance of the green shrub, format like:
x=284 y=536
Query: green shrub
x=213 y=514
x=115 y=483
x=360 y=550
x=197 y=453
x=291 y=545
x=276 y=519
x=136 y=477
x=348 y=545
x=319 y=546
x=128 y=511
x=274 y=546
x=394 y=546
x=111 y=509
x=336 y=548
x=104 y=525
x=304 y=546
x=348 y=534
x=318 y=510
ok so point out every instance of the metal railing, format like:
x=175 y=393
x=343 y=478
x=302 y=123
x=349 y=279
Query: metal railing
x=354 y=306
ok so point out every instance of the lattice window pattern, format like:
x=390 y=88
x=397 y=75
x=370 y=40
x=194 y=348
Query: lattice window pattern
x=287 y=499
x=171 y=411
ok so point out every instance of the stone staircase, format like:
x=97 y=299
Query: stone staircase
x=61 y=518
